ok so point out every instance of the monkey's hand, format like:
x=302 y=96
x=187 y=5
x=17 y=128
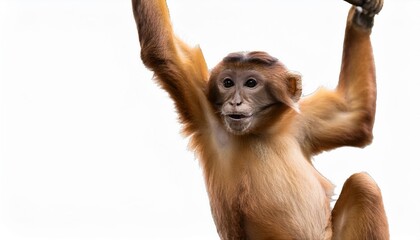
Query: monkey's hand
x=366 y=11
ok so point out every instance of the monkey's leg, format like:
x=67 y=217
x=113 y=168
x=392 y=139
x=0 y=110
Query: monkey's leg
x=359 y=212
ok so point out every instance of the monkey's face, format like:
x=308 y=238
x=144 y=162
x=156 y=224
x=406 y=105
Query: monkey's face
x=250 y=90
x=242 y=99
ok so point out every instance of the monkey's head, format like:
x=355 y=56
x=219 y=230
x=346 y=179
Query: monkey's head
x=251 y=89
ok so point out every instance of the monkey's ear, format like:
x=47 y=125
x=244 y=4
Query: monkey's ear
x=294 y=89
x=294 y=85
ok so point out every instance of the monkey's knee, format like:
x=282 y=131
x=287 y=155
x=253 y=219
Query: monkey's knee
x=359 y=212
x=363 y=186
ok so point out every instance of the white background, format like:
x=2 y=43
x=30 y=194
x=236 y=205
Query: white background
x=90 y=146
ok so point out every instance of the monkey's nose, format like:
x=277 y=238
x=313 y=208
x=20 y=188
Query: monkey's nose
x=235 y=103
x=236 y=100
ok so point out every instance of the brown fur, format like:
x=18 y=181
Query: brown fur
x=261 y=183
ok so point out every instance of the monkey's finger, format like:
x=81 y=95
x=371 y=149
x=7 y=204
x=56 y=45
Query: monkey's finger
x=356 y=2
x=369 y=7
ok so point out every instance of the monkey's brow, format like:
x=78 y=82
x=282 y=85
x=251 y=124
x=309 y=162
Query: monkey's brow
x=256 y=57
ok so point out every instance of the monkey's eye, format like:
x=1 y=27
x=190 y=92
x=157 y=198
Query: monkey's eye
x=251 y=83
x=228 y=83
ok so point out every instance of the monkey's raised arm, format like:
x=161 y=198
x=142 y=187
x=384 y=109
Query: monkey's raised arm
x=180 y=70
x=345 y=117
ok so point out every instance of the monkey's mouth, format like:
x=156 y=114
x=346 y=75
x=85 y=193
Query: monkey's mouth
x=238 y=123
x=238 y=116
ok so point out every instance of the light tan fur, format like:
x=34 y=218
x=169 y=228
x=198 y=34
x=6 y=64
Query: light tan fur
x=262 y=185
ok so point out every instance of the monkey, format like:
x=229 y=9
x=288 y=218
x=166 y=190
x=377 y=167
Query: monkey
x=255 y=135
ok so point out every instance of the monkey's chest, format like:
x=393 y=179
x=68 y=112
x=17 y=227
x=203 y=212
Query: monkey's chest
x=271 y=198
